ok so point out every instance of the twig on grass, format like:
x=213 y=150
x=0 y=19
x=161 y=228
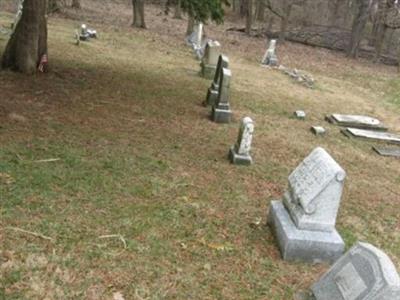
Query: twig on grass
x=39 y=235
x=120 y=237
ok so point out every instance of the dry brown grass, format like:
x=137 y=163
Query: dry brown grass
x=140 y=158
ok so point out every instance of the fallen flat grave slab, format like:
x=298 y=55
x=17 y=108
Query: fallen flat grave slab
x=372 y=135
x=387 y=151
x=356 y=121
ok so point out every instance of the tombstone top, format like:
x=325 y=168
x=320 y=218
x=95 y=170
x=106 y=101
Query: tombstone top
x=364 y=272
x=272 y=45
x=312 y=176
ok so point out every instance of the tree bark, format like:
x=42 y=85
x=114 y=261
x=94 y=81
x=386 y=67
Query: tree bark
x=28 y=43
x=249 y=16
x=138 y=14
x=76 y=4
x=178 y=10
x=260 y=15
x=287 y=9
x=359 y=23
x=190 y=26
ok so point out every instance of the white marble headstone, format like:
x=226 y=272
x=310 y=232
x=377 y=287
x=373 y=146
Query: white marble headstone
x=270 y=57
x=245 y=137
x=212 y=53
x=314 y=192
x=363 y=273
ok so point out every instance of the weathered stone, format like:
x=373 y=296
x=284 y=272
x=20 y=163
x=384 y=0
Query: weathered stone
x=221 y=112
x=363 y=273
x=387 y=151
x=270 y=58
x=300 y=114
x=304 y=221
x=212 y=93
x=318 y=130
x=314 y=193
x=356 y=121
x=372 y=135
x=303 y=245
x=239 y=153
x=210 y=59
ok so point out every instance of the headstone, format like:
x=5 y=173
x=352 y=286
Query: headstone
x=300 y=114
x=363 y=273
x=87 y=33
x=372 y=135
x=239 y=154
x=304 y=221
x=318 y=130
x=210 y=59
x=356 y=121
x=221 y=112
x=387 y=151
x=270 y=58
x=213 y=90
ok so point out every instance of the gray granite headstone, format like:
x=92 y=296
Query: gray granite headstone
x=304 y=221
x=270 y=58
x=239 y=154
x=221 y=112
x=212 y=93
x=363 y=273
x=210 y=59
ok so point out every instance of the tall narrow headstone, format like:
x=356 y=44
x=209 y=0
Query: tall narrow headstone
x=210 y=59
x=239 y=154
x=304 y=221
x=270 y=58
x=213 y=90
x=363 y=273
x=221 y=112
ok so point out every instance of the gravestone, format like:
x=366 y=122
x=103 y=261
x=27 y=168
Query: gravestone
x=356 y=121
x=210 y=59
x=363 y=273
x=300 y=114
x=239 y=154
x=387 y=151
x=304 y=220
x=270 y=58
x=372 y=135
x=318 y=130
x=221 y=112
x=213 y=90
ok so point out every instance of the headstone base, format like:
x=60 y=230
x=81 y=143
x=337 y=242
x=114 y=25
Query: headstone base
x=208 y=71
x=238 y=159
x=212 y=96
x=303 y=245
x=221 y=115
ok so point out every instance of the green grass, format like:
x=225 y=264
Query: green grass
x=139 y=160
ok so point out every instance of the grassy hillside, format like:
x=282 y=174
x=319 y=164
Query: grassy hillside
x=140 y=199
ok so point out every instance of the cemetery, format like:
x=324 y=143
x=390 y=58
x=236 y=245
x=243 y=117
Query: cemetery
x=158 y=164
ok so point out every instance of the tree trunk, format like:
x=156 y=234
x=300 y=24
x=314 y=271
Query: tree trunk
x=76 y=4
x=138 y=14
x=359 y=23
x=249 y=16
x=53 y=6
x=287 y=9
x=260 y=15
x=190 y=26
x=28 y=43
x=178 y=10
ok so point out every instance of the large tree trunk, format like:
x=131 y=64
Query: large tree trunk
x=260 y=11
x=138 y=13
x=28 y=43
x=359 y=23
